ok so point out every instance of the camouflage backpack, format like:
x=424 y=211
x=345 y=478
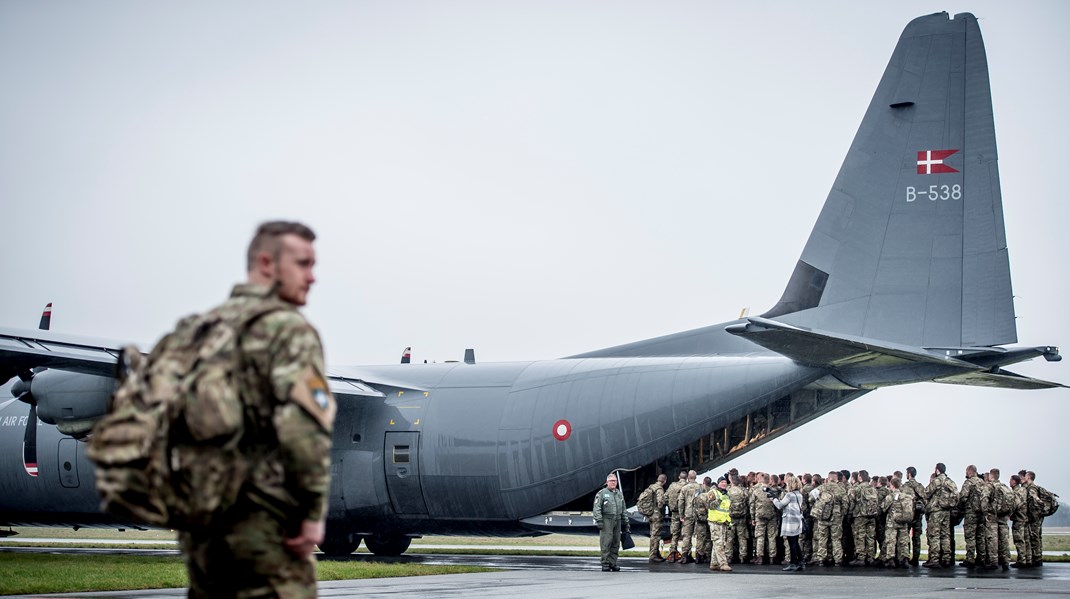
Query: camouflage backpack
x=167 y=452
x=646 y=502
x=902 y=510
x=674 y=494
x=1049 y=502
x=869 y=504
x=1002 y=499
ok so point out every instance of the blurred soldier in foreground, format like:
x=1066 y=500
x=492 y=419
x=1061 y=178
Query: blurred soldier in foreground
x=611 y=518
x=264 y=545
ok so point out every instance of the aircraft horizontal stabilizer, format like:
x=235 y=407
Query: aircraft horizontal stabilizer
x=821 y=348
x=1002 y=380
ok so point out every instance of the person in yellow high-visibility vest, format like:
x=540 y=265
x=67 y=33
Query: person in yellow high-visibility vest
x=720 y=521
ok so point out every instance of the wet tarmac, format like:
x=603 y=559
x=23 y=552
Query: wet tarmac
x=524 y=576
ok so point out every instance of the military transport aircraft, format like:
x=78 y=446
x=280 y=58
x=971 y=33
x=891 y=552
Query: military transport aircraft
x=905 y=278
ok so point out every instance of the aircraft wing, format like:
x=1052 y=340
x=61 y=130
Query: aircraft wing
x=22 y=350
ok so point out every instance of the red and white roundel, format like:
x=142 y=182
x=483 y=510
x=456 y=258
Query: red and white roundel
x=562 y=430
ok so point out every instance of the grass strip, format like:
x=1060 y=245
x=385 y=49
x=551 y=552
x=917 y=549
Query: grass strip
x=34 y=573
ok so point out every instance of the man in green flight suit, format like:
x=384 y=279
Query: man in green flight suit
x=611 y=517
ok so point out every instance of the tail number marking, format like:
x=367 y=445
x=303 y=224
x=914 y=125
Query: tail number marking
x=935 y=192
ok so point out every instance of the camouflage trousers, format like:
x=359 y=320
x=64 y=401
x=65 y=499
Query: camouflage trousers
x=972 y=524
x=1036 y=541
x=997 y=540
x=864 y=530
x=806 y=540
x=675 y=527
x=826 y=532
x=938 y=531
x=1022 y=542
x=765 y=532
x=896 y=542
x=609 y=541
x=718 y=538
x=687 y=531
x=702 y=538
x=246 y=558
x=738 y=538
x=915 y=537
x=655 y=535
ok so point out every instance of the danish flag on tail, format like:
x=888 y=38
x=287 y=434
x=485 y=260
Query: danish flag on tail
x=931 y=162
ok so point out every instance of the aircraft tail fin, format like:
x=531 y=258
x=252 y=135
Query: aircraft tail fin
x=910 y=245
x=46 y=317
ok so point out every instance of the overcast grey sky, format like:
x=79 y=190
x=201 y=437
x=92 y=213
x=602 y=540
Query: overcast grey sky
x=531 y=179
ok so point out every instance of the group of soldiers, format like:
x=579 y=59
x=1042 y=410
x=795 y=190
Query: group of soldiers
x=853 y=519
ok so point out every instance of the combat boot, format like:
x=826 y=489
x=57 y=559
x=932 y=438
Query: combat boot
x=859 y=562
x=967 y=564
x=656 y=559
x=725 y=568
x=605 y=568
x=673 y=556
x=914 y=561
x=904 y=563
x=930 y=564
x=686 y=559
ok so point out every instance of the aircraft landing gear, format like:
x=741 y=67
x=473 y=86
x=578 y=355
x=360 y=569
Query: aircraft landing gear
x=339 y=546
x=387 y=545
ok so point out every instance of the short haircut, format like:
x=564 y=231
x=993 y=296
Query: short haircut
x=941 y=468
x=1016 y=479
x=894 y=483
x=912 y=471
x=994 y=472
x=267 y=238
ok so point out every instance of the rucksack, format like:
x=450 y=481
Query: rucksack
x=903 y=508
x=1003 y=499
x=870 y=505
x=167 y=452
x=947 y=499
x=646 y=502
x=1049 y=502
x=674 y=494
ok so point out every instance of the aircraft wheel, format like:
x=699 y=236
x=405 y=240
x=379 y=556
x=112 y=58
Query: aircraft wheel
x=340 y=546
x=389 y=546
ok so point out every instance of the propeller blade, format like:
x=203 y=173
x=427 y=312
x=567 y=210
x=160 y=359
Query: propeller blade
x=29 y=442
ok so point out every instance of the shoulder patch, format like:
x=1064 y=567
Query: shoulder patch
x=310 y=391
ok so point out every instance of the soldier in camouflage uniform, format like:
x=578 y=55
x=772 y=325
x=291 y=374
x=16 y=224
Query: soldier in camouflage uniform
x=1020 y=525
x=687 y=517
x=263 y=545
x=898 y=504
x=1034 y=510
x=806 y=539
x=657 y=491
x=765 y=518
x=918 y=490
x=738 y=534
x=865 y=505
x=940 y=497
x=700 y=512
x=880 y=484
x=675 y=523
x=1002 y=505
x=611 y=518
x=828 y=521
x=970 y=504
